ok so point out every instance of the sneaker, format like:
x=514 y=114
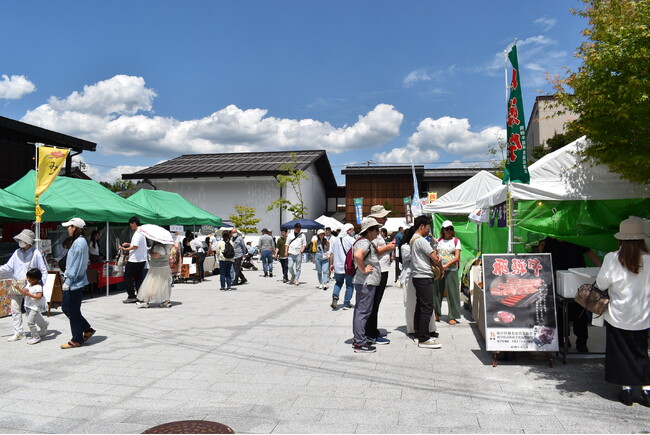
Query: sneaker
x=142 y=304
x=34 y=340
x=320 y=287
x=223 y=289
x=229 y=288
x=165 y=304
x=297 y=282
x=429 y=344
x=347 y=306
x=363 y=348
x=129 y=301
x=324 y=287
x=270 y=274
x=334 y=303
x=284 y=280
x=381 y=340
x=266 y=275
x=16 y=337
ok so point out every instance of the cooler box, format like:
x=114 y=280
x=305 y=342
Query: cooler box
x=568 y=281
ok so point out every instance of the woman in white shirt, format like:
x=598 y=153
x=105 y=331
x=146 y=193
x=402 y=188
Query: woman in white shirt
x=626 y=274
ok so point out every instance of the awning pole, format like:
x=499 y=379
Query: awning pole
x=107 y=260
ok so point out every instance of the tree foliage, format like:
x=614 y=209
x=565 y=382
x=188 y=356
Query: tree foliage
x=611 y=89
x=245 y=220
x=291 y=176
x=119 y=186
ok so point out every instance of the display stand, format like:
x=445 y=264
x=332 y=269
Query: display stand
x=53 y=291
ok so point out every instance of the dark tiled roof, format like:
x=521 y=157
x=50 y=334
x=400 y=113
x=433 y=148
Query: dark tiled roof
x=237 y=165
x=452 y=173
x=382 y=170
x=32 y=133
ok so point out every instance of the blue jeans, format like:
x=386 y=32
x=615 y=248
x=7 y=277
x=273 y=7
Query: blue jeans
x=267 y=261
x=71 y=306
x=322 y=268
x=225 y=273
x=295 y=263
x=349 y=288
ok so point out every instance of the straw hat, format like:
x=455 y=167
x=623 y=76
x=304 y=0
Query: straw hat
x=378 y=211
x=26 y=236
x=369 y=223
x=631 y=229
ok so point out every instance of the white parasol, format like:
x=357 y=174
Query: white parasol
x=156 y=233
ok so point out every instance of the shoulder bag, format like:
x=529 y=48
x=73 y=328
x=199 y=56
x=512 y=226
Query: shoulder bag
x=592 y=298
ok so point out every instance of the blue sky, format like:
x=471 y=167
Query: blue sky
x=374 y=80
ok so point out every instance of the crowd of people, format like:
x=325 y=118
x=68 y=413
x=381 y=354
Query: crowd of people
x=426 y=268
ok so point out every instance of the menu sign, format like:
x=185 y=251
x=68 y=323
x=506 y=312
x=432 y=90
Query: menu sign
x=519 y=303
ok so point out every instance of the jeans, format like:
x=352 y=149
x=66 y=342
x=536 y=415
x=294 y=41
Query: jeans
x=322 y=268
x=267 y=261
x=71 y=306
x=423 y=307
x=362 y=309
x=225 y=269
x=349 y=288
x=295 y=263
x=133 y=276
x=371 y=325
x=200 y=258
x=284 y=262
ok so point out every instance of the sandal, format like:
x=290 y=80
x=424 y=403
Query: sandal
x=89 y=334
x=70 y=345
x=437 y=317
x=453 y=322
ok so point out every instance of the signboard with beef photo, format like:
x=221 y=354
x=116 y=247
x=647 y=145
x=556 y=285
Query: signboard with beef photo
x=519 y=303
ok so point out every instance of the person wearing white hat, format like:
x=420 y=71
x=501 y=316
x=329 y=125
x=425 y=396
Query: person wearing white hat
x=322 y=259
x=626 y=275
x=366 y=279
x=449 y=248
x=339 y=247
x=75 y=281
x=24 y=258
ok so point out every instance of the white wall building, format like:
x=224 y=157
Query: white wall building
x=219 y=182
x=546 y=120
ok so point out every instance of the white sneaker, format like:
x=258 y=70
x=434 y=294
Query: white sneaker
x=320 y=287
x=16 y=337
x=142 y=304
x=34 y=340
x=324 y=287
x=430 y=344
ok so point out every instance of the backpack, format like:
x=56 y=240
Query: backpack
x=350 y=267
x=229 y=250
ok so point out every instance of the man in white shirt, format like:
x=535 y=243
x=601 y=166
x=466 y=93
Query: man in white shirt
x=296 y=244
x=339 y=247
x=133 y=272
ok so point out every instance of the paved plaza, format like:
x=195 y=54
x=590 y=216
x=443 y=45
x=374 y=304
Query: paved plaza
x=274 y=358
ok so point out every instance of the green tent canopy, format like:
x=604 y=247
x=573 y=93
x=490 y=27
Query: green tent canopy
x=14 y=208
x=71 y=197
x=173 y=209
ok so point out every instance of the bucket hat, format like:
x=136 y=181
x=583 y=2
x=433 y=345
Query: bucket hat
x=378 y=211
x=368 y=223
x=631 y=229
x=26 y=236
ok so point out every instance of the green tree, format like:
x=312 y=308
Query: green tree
x=499 y=149
x=245 y=220
x=293 y=177
x=555 y=143
x=611 y=89
x=119 y=186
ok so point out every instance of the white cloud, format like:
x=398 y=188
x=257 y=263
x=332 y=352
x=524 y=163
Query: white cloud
x=15 y=87
x=108 y=113
x=419 y=75
x=451 y=135
x=546 y=23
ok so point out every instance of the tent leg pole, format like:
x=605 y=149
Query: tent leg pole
x=108 y=228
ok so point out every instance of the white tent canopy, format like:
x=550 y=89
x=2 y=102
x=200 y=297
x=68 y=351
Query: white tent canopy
x=392 y=224
x=329 y=222
x=462 y=198
x=562 y=176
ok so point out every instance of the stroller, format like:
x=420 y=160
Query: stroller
x=247 y=262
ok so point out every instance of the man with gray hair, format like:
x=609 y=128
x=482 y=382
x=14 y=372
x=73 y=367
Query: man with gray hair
x=266 y=246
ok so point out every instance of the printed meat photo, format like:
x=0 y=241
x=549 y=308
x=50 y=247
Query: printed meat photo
x=504 y=317
x=516 y=286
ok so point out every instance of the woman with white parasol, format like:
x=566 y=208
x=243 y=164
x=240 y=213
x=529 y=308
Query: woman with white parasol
x=157 y=285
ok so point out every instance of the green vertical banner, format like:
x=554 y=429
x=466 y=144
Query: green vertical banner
x=358 y=209
x=516 y=157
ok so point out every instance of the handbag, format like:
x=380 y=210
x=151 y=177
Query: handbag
x=592 y=298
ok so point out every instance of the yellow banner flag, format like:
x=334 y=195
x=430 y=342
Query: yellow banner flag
x=50 y=161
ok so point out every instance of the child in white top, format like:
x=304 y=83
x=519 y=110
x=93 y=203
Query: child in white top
x=35 y=304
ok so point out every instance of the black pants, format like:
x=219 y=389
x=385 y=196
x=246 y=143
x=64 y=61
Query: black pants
x=71 y=306
x=423 y=307
x=239 y=276
x=133 y=277
x=371 y=324
x=398 y=261
x=284 y=262
x=200 y=258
